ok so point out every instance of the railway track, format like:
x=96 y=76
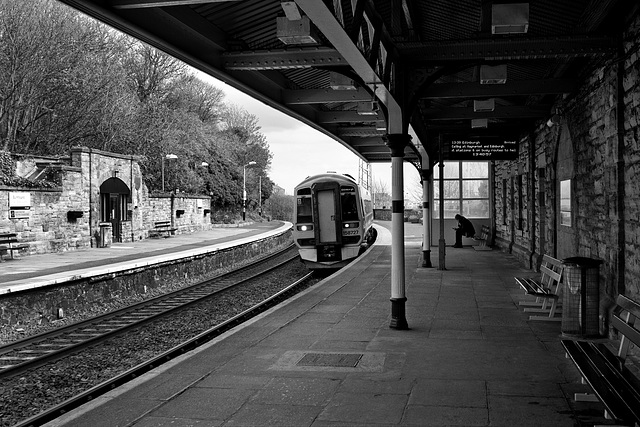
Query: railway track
x=38 y=350
x=253 y=280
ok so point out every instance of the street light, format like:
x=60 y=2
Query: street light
x=260 y=195
x=244 y=189
x=168 y=157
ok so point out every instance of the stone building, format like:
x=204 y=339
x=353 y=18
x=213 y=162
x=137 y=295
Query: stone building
x=574 y=190
x=100 y=197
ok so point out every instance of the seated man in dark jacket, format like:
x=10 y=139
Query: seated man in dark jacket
x=465 y=228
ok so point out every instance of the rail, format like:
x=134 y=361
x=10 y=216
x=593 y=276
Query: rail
x=38 y=350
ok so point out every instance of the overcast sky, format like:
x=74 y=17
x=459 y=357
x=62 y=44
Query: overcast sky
x=299 y=150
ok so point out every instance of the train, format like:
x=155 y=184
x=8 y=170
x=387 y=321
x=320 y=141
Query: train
x=333 y=220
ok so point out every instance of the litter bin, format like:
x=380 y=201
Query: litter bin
x=105 y=235
x=581 y=297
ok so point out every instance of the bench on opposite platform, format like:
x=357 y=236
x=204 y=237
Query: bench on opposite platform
x=8 y=244
x=606 y=371
x=162 y=227
x=485 y=232
x=546 y=289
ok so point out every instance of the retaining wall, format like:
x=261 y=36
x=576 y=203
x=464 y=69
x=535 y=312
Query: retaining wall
x=52 y=306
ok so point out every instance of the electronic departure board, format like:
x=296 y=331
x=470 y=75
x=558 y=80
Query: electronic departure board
x=480 y=148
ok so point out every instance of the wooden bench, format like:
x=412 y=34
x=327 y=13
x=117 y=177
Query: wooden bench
x=162 y=227
x=8 y=244
x=485 y=232
x=546 y=289
x=604 y=370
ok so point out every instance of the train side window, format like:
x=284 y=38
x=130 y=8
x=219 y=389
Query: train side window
x=349 y=207
x=304 y=210
x=368 y=207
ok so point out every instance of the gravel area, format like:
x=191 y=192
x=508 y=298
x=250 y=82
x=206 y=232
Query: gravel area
x=31 y=393
x=11 y=333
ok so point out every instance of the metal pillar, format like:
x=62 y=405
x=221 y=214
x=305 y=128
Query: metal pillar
x=244 y=192
x=442 y=251
x=396 y=144
x=425 y=175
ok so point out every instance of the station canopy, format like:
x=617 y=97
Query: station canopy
x=468 y=71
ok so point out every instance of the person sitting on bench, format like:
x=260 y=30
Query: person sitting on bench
x=465 y=228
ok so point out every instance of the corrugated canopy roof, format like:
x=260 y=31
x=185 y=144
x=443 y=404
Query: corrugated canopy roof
x=322 y=61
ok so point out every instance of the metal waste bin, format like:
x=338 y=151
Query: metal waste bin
x=105 y=235
x=581 y=297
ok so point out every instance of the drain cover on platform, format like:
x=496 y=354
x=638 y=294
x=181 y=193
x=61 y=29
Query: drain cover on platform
x=337 y=360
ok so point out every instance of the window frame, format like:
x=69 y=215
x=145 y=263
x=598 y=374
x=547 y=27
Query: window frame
x=505 y=202
x=460 y=179
x=566 y=209
x=520 y=184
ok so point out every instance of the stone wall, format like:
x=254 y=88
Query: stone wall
x=48 y=227
x=77 y=300
x=68 y=217
x=57 y=219
x=382 y=214
x=191 y=213
x=97 y=167
x=515 y=228
x=596 y=145
x=631 y=163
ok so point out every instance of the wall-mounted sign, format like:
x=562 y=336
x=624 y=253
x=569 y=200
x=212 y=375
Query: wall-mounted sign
x=480 y=148
x=19 y=199
x=19 y=213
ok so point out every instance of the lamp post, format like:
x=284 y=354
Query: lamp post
x=244 y=189
x=260 y=195
x=168 y=157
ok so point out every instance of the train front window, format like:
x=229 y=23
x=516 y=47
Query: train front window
x=349 y=207
x=304 y=210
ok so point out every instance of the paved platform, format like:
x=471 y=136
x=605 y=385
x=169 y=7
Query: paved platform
x=328 y=357
x=33 y=271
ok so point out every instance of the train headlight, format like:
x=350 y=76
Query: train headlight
x=351 y=225
x=305 y=227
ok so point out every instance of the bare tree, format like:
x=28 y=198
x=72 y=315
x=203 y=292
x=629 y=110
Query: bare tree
x=280 y=206
x=380 y=194
x=242 y=138
x=413 y=193
x=150 y=72
x=55 y=65
x=68 y=80
x=197 y=97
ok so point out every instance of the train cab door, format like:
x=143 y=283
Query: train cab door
x=327 y=216
x=327 y=220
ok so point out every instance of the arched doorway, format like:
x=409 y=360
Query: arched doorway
x=114 y=205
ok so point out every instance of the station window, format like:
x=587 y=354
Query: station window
x=565 y=202
x=466 y=189
x=504 y=202
x=521 y=183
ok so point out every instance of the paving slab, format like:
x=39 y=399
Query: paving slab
x=32 y=271
x=470 y=357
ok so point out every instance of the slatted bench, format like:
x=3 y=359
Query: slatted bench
x=546 y=290
x=606 y=371
x=9 y=244
x=162 y=228
x=485 y=232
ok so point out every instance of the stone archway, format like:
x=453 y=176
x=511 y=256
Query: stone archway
x=114 y=205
